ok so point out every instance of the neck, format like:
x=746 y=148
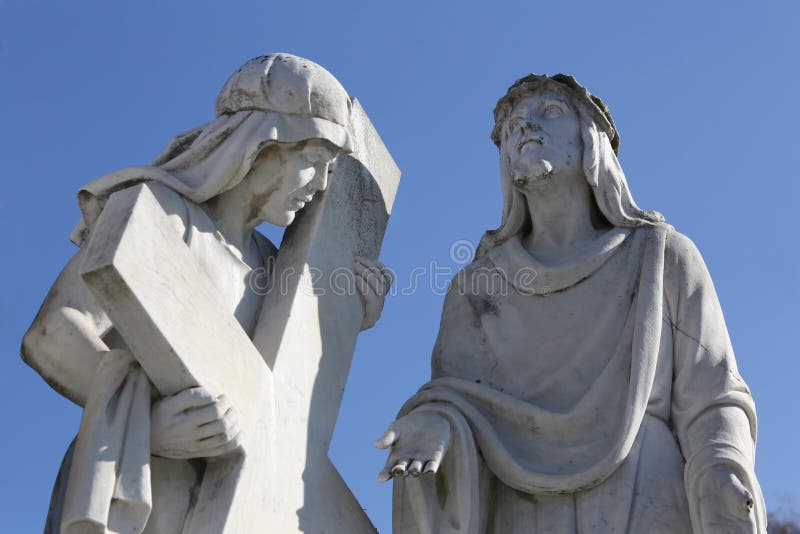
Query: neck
x=231 y=214
x=562 y=214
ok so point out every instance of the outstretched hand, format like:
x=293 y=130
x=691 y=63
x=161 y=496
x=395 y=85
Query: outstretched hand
x=193 y=424
x=373 y=281
x=419 y=441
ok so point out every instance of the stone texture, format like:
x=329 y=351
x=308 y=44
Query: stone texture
x=582 y=379
x=168 y=289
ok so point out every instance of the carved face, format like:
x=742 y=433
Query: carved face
x=285 y=177
x=542 y=139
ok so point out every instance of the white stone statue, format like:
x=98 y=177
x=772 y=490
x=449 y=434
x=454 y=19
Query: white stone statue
x=281 y=120
x=583 y=379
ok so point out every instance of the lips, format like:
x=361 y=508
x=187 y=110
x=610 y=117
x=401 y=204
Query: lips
x=299 y=201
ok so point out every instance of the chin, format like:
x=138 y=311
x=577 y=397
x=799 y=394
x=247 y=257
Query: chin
x=279 y=219
x=540 y=171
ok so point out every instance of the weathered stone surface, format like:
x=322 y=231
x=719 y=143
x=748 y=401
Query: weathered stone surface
x=583 y=379
x=145 y=278
x=308 y=328
x=237 y=435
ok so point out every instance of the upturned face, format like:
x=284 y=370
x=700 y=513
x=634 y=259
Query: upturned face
x=286 y=177
x=542 y=139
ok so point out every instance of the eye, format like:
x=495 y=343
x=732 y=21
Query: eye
x=515 y=127
x=552 y=111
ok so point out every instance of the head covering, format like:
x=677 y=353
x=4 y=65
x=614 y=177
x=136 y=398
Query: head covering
x=600 y=164
x=273 y=98
x=311 y=101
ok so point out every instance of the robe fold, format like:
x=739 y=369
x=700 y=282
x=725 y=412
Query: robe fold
x=587 y=396
x=120 y=487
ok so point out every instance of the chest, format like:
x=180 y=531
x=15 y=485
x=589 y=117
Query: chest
x=551 y=348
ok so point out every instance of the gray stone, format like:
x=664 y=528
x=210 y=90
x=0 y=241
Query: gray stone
x=583 y=379
x=178 y=283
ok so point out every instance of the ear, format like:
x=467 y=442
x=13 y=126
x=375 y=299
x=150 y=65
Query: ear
x=591 y=152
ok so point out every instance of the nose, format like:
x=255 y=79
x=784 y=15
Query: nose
x=531 y=125
x=320 y=180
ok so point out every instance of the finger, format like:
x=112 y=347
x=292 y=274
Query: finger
x=220 y=439
x=189 y=398
x=744 y=497
x=415 y=468
x=209 y=413
x=218 y=426
x=379 y=266
x=373 y=276
x=366 y=262
x=399 y=469
x=363 y=285
x=388 y=275
x=388 y=437
x=371 y=305
x=431 y=467
x=223 y=449
x=386 y=472
x=384 y=475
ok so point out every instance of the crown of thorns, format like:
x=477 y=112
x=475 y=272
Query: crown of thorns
x=568 y=84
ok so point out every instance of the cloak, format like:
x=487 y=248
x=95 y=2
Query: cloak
x=587 y=396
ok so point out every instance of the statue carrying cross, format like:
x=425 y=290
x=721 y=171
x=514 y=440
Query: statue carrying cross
x=161 y=302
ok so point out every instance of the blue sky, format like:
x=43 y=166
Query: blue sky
x=704 y=95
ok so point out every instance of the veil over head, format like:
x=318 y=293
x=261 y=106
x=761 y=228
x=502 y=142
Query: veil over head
x=274 y=98
x=600 y=164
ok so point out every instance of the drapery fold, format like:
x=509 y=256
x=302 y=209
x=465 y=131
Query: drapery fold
x=109 y=479
x=614 y=430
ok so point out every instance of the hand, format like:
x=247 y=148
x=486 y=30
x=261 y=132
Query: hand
x=725 y=504
x=373 y=281
x=419 y=441
x=193 y=424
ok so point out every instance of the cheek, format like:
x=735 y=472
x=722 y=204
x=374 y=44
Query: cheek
x=569 y=143
x=297 y=178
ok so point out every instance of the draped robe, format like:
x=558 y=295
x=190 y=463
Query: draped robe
x=161 y=490
x=583 y=397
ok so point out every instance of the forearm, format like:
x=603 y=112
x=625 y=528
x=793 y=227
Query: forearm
x=720 y=426
x=721 y=486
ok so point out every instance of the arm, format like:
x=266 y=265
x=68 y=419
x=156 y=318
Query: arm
x=420 y=439
x=64 y=343
x=461 y=349
x=65 y=347
x=713 y=413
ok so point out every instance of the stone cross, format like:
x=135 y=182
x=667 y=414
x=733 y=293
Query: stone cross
x=287 y=383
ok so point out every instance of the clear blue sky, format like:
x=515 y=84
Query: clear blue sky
x=705 y=95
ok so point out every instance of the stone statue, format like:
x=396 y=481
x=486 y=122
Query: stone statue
x=281 y=122
x=582 y=379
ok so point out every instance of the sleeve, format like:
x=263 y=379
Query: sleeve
x=713 y=413
x=462 y=349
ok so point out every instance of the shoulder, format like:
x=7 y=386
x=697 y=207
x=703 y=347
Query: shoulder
x=473 y=278
x=681 y=255
x=687 y=282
